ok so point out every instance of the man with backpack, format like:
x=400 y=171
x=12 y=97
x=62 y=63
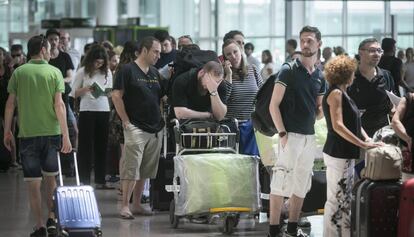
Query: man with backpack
x=296 y=103
x=199 y=93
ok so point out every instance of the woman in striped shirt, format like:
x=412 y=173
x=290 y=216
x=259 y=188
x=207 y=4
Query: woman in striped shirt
x=242 y=83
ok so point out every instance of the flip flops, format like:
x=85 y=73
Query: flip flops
x=126 y=216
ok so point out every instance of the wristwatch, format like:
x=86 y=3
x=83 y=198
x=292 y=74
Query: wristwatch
x=282 y=134
x=213 y=93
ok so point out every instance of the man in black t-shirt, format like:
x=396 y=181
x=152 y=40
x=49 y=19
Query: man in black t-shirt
x=369 y=87
x=391 y=63
x=62 y=61
x=200 y=93
x=137 y=95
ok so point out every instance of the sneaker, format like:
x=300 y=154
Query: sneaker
x=304 y=223
x=299 y=233
x=41 y=232
x=51 y=227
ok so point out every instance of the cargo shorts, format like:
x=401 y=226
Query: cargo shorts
x=292 y=173
x=141 y=154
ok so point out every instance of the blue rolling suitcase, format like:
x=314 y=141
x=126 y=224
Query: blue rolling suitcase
x=76 y=208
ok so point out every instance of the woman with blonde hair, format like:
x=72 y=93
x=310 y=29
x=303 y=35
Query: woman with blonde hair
x=242 y=83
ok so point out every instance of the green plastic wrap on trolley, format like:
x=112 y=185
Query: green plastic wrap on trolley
x=216 y=180
x=321 y=132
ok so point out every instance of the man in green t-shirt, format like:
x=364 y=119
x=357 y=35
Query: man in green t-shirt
x=36 y=88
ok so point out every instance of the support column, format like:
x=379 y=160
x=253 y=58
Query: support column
x=205 y=24
x=288 y=20
x=133 y=8
x=77 y=8
x=107 y=12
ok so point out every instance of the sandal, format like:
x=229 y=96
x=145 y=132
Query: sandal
x=126 y=216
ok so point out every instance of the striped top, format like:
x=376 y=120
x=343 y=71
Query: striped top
x=242 y=93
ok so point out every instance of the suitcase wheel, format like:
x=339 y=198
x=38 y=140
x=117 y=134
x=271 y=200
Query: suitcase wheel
x=230 y=222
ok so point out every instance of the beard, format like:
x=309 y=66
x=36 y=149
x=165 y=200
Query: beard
x=308 y=53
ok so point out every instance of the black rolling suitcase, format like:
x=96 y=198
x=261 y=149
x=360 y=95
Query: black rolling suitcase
x=160 y=199
x=316 y=197
x=264 y=178
x=375 y=208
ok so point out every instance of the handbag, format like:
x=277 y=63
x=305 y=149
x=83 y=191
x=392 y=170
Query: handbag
x=382 y=163
x=195 y=141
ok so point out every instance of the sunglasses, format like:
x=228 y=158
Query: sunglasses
x=16 y=55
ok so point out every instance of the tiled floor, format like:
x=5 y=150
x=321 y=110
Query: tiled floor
x=16 y=221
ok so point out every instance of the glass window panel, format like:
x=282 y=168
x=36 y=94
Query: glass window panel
x=405 y=41
x=297 y=17
x=149 y=10
x=326 y=15
x=4 y=34
x=353 y=43
x=405 y=15
x=260 y=44
x=228 y=16
x=277 y=48
x=332 y=42
x=365 y=17
x=256 y=17
x=279 y=13
x=18 y=16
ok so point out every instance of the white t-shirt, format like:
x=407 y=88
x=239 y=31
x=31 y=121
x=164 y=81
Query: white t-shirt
x=409 y=74
x=254 y=61
x=88 y=101
x=265 y=72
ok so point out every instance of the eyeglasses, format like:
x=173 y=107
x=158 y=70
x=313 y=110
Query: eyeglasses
x=374 y=50
x=16 y=55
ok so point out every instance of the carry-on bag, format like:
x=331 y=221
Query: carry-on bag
x=383 y=163
x=406 y=211
x=76 y=208
x=374 y=209
x=160 y=198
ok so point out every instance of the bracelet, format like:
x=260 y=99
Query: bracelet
x=282 y=134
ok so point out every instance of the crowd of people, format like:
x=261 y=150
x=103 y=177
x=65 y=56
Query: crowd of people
x=112 y=98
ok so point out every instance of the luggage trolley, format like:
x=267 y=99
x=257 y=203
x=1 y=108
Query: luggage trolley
x=194 y=151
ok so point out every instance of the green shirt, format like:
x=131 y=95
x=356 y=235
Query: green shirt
x=35 y=85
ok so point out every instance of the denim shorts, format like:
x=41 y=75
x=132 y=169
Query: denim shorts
x=39 y=156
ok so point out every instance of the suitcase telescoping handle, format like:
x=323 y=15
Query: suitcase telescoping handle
x=76 y=169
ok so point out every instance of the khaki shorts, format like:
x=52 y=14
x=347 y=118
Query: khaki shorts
x=141 y=154
x=292 y=173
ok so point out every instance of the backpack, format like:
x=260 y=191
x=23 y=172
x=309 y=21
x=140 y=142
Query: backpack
x=261 y=118
x=189 y=58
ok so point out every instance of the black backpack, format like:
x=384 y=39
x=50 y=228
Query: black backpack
x=189 y=58
x=261 y=118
